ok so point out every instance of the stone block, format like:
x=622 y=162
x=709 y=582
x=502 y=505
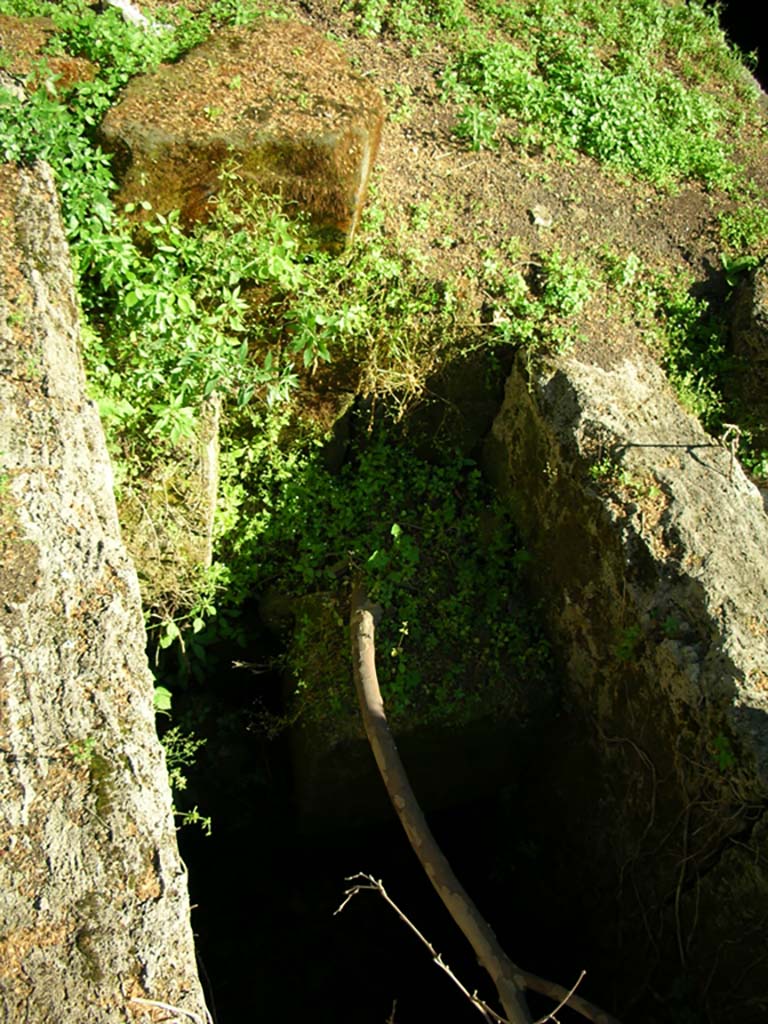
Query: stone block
x=276 y=100
x=94 y=910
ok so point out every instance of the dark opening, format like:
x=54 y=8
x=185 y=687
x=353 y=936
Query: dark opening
x=265 y=888
x=265 y=885
x=745 y=28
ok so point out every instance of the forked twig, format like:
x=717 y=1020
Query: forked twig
x=536 y=984
x=375 y=884
x=566 y=999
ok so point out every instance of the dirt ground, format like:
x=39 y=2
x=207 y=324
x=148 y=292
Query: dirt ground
x=486 y=197
x=455 y=205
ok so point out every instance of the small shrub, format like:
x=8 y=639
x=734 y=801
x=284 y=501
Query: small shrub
x=408 y=19
x=538 y=311
x=478 y=127
x=181 y=749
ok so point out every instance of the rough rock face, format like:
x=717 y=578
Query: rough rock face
x=94 y=913
x=691 y=586
x=277 y=99
x=649 y=550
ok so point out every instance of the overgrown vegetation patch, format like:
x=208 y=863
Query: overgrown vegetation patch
x=432 y=546
x=651 y=89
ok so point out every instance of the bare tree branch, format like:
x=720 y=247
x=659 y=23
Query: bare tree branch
x=506 y=976
x=574 y=1002
x=375 y=884
x=566 y=999
x=509 y=979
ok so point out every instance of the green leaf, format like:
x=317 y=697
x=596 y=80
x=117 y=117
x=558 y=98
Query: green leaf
x=170 y=634
x=162 y=700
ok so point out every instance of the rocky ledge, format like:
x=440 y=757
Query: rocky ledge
x=649 y=543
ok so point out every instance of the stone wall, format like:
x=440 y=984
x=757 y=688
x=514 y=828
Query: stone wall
x=94 y=912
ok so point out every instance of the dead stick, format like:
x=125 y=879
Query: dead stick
x=572 y=1001
x=510 y=980
x=369 y=882
x=506 y=976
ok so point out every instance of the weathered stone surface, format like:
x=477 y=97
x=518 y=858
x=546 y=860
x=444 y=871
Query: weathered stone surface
x=22 y=44
x=277 y=99
x=94 y=912
x=649 y=551
x=688 y=526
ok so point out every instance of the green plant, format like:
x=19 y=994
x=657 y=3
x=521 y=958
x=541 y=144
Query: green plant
x=621 y=272
x=83 y=751
x=434 y=551
x=408 y=19
x=723 y=754
x=745 y=230
x=162 y=700
x=688 y=336
x=736 y=267
x=370 y=17
x=181 y=750
x=671 y=626
x=151 y=390
x=627 y=643
x=601 y=82
x=478 y=127
x=606 y=468
x=186 y=287
x=540 y=309
x=684 y=333
x=755 y=461
x=694 y=355
x=744 y=238
x=399 y=102
x=608 y=472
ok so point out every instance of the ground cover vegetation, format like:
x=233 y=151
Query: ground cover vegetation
x=431 y=546
x=627 y=83
x=251 y=310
